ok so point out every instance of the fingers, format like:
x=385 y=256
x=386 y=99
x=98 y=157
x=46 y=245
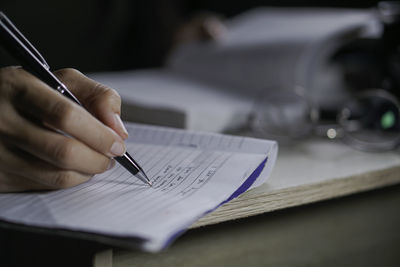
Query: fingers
x=33 y=153
x=101 y=101
x=59 y=150
x=13 y=183
x=37 y=99
x=59 y=180
x=20 y=172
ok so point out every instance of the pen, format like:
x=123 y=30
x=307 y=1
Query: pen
x=32 y=61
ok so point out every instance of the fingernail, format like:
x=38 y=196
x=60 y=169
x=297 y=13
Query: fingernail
x=111 y=164
x=117 y=149
x=121 y=125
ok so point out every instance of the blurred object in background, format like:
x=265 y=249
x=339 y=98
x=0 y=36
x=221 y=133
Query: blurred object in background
x=390 y=17
x=263 y=53
x=310 y=72
x=369 y=121
x=109 y=35
x=202 y=27
x=290 y=48
x=283 y=116
x=285 y=49
x=270 y=67
x=374 y=61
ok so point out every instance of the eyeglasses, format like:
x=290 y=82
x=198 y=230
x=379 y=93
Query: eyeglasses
x=370 y=121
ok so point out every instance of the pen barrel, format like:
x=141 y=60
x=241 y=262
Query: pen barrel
x=18 y=50
x=29 y=60
x=127 y=164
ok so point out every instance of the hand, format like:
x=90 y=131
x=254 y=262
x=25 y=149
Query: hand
x=34 y=155
x=201 y=27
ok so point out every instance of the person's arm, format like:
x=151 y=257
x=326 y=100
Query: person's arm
x=33 y=155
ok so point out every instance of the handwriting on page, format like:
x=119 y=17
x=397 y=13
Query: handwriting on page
x=192 y=173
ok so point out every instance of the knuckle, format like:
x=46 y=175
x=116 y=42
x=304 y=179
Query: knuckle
x=63 y=153
x=104 y=96
x=8 y=76
x=62 y=179
x=9 y=124
x=103 y=165
x=113 y=95
x=102 y=141
x=60 y=114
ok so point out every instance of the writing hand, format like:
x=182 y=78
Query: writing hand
x=34 y=155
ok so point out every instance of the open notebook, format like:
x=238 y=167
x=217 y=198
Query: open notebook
x=192 y=173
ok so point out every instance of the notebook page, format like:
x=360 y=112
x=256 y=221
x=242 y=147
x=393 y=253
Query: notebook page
x=192 y=173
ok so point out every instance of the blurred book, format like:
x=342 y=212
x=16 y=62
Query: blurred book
x=213 y=85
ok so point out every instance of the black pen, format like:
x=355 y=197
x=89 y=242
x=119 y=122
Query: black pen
x=31 y=60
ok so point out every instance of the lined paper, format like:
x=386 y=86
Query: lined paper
x=192 y=173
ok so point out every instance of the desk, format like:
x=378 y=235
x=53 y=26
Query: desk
x=357 y=230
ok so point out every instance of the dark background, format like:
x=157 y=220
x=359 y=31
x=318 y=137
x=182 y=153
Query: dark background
x=104 y=35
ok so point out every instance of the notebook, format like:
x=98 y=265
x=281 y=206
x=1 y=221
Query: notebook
x=193 y=173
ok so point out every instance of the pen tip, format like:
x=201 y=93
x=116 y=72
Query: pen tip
x=147 y=179
x=143 y=177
